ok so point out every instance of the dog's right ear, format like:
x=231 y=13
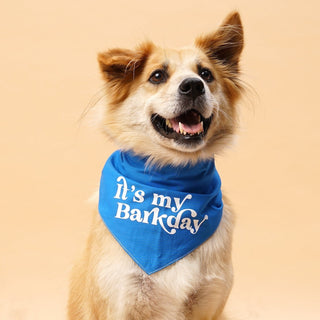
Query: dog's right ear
x=123 y=65
x=120 y=67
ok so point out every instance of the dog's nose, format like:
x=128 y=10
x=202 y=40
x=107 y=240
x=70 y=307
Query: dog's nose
x=191 y=87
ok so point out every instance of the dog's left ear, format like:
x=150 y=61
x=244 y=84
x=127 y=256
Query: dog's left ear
x=226 y=44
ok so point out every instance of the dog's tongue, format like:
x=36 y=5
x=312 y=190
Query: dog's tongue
x=189 y=122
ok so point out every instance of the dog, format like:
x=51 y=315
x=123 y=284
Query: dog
x=167 y=109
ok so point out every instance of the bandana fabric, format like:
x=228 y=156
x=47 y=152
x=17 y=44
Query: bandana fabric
x=159 y=215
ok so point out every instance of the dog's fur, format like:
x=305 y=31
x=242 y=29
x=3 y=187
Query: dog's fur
x=106 y=283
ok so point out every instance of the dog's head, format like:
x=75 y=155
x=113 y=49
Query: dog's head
x=175 y=106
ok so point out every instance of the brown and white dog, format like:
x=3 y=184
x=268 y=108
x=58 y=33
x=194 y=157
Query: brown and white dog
x=174 y=107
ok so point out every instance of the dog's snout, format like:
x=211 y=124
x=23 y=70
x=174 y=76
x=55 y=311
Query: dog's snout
x=191 y=87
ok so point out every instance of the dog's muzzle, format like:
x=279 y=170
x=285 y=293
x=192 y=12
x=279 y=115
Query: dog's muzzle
x=189 y=126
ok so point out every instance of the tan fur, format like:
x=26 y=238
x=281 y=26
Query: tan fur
x=106 y=283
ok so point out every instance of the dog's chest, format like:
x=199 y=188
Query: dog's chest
x=175 y=290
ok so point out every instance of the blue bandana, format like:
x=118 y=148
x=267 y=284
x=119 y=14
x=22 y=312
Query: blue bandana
x=159 y=215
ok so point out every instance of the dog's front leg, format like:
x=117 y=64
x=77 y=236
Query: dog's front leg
x=82 y=304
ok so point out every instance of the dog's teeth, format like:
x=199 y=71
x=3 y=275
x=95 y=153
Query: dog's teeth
x=180 y=128
x=201 y=128
x=168 y=123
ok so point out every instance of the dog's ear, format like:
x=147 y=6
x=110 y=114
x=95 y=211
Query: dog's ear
x=123 y=65
x=225 y=44
x=120 y=67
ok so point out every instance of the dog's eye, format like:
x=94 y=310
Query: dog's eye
x=158 y=76
x=206 y=75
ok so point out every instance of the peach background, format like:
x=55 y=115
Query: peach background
x=50 y=164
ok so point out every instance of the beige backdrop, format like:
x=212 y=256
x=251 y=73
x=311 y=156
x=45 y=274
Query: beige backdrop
x=50 y=164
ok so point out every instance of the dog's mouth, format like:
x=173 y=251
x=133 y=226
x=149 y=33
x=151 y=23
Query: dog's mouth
x=188 y=127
